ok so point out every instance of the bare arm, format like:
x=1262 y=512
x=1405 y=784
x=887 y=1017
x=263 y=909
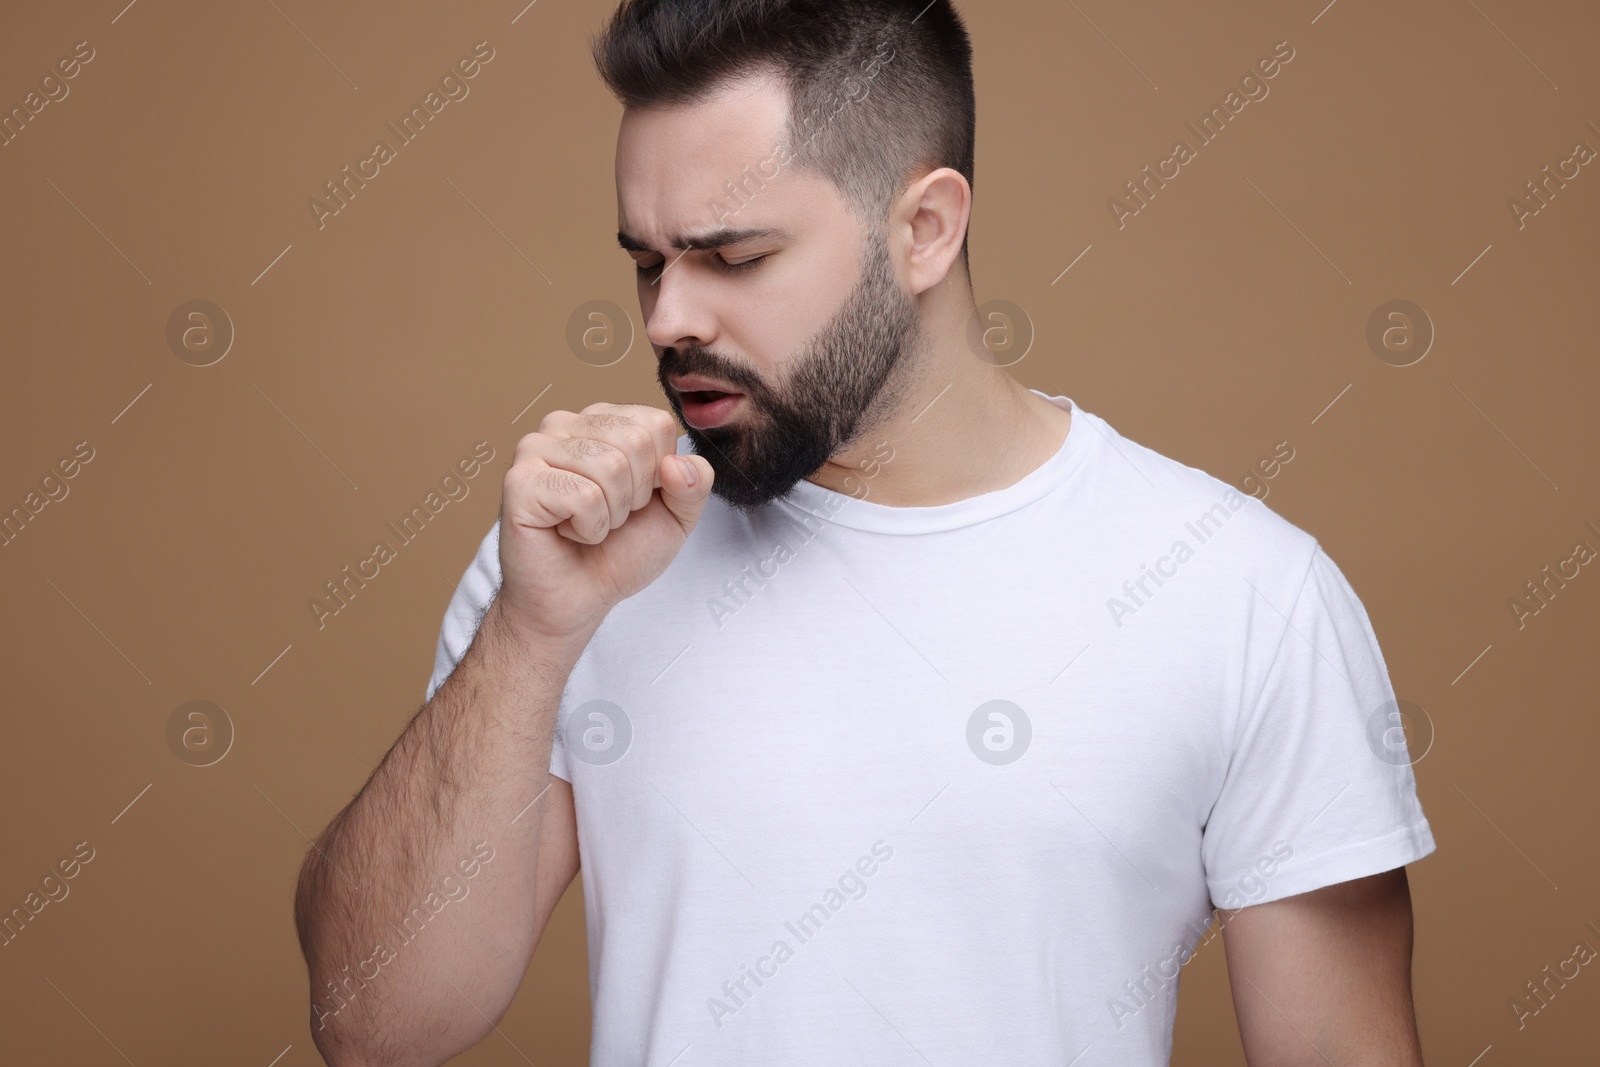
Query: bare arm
x=399 y=977
x=1325 y=976
x=422 y=901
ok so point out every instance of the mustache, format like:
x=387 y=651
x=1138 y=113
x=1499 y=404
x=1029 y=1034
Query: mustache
x=699 y=361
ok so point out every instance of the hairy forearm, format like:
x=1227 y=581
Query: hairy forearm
x=415 y=907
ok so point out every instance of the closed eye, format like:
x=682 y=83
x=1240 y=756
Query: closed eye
x=749 y=264
x=721 y=264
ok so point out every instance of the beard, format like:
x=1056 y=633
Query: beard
x=843 y=385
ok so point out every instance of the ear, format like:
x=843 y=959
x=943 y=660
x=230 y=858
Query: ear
x=930 y=221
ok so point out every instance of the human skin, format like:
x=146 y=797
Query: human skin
x=960 y=427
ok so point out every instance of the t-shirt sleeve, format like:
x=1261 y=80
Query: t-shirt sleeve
x=464 y=615
x=1319 y=788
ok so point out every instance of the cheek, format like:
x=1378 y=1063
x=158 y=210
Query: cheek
x=773 y=337
x=796 y=302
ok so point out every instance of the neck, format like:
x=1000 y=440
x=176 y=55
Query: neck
x=958 y=426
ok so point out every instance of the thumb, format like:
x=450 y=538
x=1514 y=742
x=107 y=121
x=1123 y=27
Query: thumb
x=685 y=501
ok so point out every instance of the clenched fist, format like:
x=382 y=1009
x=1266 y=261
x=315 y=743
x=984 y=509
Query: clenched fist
x=594 y=507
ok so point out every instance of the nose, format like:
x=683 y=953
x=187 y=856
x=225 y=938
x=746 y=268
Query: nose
x=675 y=315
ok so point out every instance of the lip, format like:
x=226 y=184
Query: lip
x=703 y=415
x=693 y=383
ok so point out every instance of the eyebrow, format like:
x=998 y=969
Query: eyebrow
x=708 y=240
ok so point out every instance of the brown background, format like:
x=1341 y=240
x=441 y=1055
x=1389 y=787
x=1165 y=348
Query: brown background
x=431 y=313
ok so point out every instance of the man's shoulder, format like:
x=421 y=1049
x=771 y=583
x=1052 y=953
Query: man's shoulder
x=1151 y=490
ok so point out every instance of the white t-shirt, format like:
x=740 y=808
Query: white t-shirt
x=961 y=784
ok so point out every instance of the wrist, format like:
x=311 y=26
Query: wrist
x=529 y=641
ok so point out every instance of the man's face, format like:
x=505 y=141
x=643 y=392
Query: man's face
x=817 y=335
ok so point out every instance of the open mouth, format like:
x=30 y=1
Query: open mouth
x=705 y=408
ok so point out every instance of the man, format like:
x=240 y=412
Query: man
x=898 y=713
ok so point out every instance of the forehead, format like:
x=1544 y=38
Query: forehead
x=678 y=168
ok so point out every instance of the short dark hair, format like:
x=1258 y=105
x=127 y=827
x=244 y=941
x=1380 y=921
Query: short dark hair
x=914 y=57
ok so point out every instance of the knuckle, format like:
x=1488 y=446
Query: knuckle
x=557 y=482
x=528 y=444
x=617 y=460
x=612 y=459
x=517 y=480
x=602 y=421
x=554 y=419
x=589 y=494
x=640 y=441
x=583 y=447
